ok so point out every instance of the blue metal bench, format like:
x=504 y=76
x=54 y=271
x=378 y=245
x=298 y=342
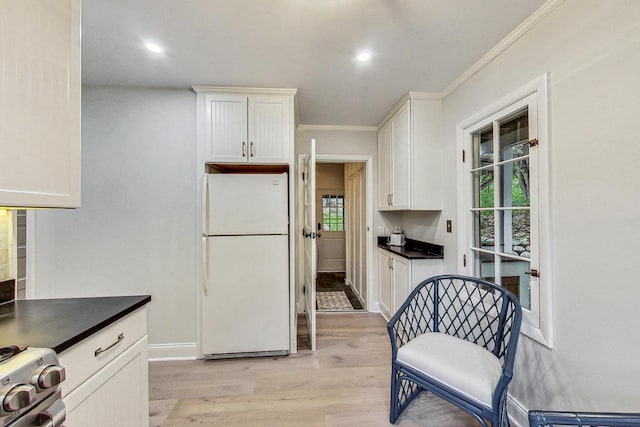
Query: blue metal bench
x=456 y=337
x=590 y=419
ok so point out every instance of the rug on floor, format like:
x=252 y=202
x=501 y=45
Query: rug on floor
x=333 y=301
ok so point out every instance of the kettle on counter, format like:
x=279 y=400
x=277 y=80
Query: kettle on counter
x=396 y=238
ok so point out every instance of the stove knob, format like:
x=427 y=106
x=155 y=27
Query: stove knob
x=18 y=397
x=51 y=376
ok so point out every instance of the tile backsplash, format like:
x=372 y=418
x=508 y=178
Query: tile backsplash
x=5 y=244
x=7 y=290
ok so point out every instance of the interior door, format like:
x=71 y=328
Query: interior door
x=309 y=233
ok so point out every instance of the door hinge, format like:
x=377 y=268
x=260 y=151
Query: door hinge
x=304 y=289
x=464 y=260
x=304 y=176
x=463 y=156
x=533 y=142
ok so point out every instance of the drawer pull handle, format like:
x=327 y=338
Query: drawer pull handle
x=100 y=350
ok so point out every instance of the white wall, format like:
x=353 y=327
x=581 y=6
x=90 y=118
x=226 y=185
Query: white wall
x=591 y=50
x=135 y=232
x=330 y=176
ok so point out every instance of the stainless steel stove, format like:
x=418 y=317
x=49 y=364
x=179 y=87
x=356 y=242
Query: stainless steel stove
x=30 y=393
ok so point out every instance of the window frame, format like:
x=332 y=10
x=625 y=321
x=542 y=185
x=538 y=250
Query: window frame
x=537 y=321
x=339 y=208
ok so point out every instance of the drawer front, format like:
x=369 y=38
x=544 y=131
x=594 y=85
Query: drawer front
x=81 y=361
x=118 y=395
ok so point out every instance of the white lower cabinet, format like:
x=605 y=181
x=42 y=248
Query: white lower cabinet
x=386 y=281
x=109 y=388
x=401 y=281
x=398 y=276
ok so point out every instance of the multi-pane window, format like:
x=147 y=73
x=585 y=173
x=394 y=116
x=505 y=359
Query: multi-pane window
x=502 y=245
x=504 y=216
x=333 y=212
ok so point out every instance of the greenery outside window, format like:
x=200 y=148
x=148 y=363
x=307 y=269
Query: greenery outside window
x=333 y=212
x=504 y=200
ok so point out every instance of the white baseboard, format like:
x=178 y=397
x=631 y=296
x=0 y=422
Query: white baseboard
x=172 y=351
x=377 y=309
x=518 y=414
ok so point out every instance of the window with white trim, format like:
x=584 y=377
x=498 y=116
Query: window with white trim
x=333 y=212
x=504 y=208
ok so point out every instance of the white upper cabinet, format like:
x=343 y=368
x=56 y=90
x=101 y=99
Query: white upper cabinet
x=269 y=128
x=242 y=125
x=409 y=156
x=400 y=139
x=385 y=160
x=227 y=133
x=40 y=103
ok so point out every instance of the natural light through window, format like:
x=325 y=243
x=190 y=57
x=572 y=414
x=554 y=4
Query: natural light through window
x=333 y=212
x=505 y=202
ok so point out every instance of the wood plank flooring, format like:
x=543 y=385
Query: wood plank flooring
x=345 y=383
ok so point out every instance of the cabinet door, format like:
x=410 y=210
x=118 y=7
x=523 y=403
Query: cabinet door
x=226 y=129
x=40 y=103
x=384 y=167
x=269 y=130
x=401 y=162
x=401 y=281
x=384 y=273
x=117 y=395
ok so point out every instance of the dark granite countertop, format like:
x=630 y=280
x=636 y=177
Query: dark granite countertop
x=413 y=249
x=61 y=323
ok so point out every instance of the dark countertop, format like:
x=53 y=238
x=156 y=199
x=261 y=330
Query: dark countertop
x=61 y=323
x=413 y=249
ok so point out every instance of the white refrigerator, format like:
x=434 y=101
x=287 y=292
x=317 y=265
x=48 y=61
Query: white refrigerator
x=245 y=309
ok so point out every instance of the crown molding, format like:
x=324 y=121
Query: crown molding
x=510 y=39
x=303 y=127
x=429 y=96
x=249 y=90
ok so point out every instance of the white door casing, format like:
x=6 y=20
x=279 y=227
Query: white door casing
x=309 y=233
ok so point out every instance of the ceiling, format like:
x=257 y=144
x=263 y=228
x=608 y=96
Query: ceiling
x=416 y=45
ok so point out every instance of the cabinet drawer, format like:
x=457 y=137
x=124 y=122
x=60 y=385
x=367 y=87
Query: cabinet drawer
x=118 y=395
x=81 y=361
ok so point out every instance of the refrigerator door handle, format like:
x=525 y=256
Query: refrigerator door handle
x=205 y=270
x=205 y=204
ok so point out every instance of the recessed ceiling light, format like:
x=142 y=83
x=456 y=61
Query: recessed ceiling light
x=153 y=47
x=364 y=56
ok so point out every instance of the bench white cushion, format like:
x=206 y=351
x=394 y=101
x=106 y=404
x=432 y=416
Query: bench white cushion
x=466 y=367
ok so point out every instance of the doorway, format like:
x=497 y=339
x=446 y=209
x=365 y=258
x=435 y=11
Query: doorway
x=357 y=185
x=338 y=214
x=342 y=239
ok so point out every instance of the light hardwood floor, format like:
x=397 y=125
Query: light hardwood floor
x=345 y=383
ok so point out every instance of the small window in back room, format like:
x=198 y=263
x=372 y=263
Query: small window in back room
x=332 y=212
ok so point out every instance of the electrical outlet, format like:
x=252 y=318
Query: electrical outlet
x=381 y=231
x=449 y=226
